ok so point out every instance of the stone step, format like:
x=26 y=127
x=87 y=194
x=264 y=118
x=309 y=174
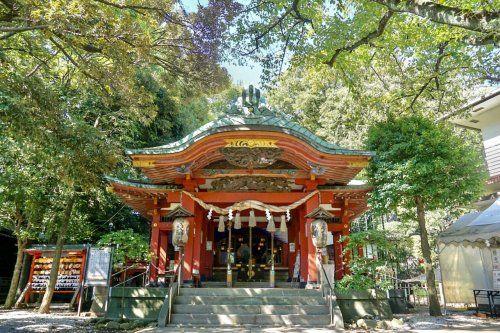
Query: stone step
x=136 y=292
x=251 y=309
x=250 y=292
x=247 y=284
x=247 y=300
x=249 y=319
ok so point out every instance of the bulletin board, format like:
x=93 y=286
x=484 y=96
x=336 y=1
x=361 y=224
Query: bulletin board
x=70 y=274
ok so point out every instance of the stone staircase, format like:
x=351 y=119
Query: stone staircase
x=249 y=306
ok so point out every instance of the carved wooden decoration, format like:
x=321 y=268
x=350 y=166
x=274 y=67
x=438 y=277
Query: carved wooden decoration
x=251 y=158
x=252 y=184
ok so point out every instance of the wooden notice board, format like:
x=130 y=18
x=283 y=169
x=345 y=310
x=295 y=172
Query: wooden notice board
x=70 y=274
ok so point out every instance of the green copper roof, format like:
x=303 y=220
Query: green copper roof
x=263 y=120
x=142 y=185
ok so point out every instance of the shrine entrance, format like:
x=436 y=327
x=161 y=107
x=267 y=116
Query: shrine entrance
x=250 y=254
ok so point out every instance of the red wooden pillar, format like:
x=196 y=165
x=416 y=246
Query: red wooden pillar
x=337 y=246
x=312 y=270
x=163 y=260
x=293 y=237
x=189 y=204
x=198 y=221
x=155 y=246
x=303 y=246
x=207 y=261
x=345 y=232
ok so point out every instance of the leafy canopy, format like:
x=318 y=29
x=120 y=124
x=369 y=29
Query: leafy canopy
x=129 y=245
x=422 y=53
x=416 y=157
x=366 y=271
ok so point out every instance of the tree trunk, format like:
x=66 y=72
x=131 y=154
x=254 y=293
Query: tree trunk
x=434 y=307
x=63 y=227
x=14 y=283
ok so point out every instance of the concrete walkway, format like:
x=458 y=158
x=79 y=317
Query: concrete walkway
x=307 y=330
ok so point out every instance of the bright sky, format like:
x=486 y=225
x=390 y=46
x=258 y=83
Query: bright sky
x=243 y=75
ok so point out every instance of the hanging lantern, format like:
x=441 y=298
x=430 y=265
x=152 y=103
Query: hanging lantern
x=237 y=221
x=180 y=226
x=283 y=227
x=319 y=233
x=270 y=224
x=252 y=222
x=180 y=232
x=221 y=224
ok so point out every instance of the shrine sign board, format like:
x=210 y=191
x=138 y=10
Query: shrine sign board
x=98 y=267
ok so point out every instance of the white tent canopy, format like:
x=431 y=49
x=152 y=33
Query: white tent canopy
x=469 y=254
x=474 y=227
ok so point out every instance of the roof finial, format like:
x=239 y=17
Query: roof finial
x=253 y=100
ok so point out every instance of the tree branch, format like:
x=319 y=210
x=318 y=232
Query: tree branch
x=476 y=21
x=435 y=75
x=273 y=25
x=73 y=61
x=491 y=38
x=298 y=15
x=19 y=29
x=135 y=8
x=11 y=31
x=365 y=40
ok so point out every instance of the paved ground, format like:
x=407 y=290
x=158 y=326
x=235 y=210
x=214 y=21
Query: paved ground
x=29 y=321
x=63 y=321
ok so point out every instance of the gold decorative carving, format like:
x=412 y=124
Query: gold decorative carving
x=357 y=164
x=250 y=158
x=251 y=184
x=251 y=143
x=143 y=163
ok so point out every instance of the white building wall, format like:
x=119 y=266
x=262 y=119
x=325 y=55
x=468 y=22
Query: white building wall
x=491 y=140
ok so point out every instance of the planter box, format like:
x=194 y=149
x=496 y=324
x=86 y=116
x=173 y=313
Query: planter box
x=361 y=303
x=397 y=301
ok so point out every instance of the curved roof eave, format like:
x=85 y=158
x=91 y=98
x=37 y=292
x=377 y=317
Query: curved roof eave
x=230 y=123
x=141 y=185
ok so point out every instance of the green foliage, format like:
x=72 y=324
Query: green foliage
x=418 y=158
x=128 y=245
x=366 y=271
x=362 y=34
x=79 y=82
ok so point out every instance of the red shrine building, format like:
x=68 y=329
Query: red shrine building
x=253 y=181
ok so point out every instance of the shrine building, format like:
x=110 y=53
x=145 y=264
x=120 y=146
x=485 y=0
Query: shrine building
x=250 y=184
